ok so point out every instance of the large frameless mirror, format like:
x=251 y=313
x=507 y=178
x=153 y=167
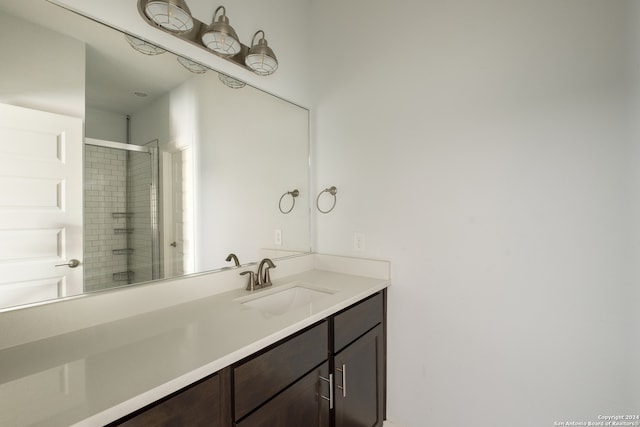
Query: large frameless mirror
x=180 y=166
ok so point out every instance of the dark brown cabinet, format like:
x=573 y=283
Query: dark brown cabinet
x=281 y=386
x=299 y=405
x=200 y=404
x=351 y=344
x=359 y=352
x=360 y=382
x=265 y=374
x=331 y=374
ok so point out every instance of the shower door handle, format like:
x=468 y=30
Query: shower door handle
x=73 y=263
x=174 y=244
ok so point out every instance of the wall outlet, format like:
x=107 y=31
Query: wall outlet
x=358 y=242
x=277 y=237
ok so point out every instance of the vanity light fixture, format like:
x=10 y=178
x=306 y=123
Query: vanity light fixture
x=261 y=58
x=192 y=66
x=231 y=82
x=173 y=15
x=143 y=46
x=220 y=37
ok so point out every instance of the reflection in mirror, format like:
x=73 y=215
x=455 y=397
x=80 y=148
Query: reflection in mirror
x=182 y=166
x=121 y=210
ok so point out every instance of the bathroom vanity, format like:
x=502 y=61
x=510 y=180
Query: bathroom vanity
x=234 y=358
x=334 y=368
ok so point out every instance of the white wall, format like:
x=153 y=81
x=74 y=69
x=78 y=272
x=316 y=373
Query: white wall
x=50 y=77
x=105 y=125
x=250 y=148
x=153 y=122
x=484 y=148
x=267 y=157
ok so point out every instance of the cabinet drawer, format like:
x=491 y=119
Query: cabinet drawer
x=357 y=320
x=299 y=405
x=259 y=378
x=197 y=405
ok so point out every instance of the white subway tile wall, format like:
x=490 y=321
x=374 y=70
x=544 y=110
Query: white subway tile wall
x=139 y=202
x=118 y=233
x=104 y=193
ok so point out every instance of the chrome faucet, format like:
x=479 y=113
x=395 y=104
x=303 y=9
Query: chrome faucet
x=234 y=258
x=264 y=279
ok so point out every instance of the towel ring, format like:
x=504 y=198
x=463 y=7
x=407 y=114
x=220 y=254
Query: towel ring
x=293 y=194
x=332 y=191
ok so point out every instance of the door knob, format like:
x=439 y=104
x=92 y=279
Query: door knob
x=73 y=263
x=174 y=244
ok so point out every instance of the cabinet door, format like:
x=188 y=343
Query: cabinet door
x=300 y=405
x=359 y=381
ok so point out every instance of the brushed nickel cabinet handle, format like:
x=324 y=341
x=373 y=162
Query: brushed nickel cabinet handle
x=343 y=387
x=330 y=398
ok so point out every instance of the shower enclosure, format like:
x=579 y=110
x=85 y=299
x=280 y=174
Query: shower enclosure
x=121 y=232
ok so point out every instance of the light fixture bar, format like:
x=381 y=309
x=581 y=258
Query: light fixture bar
x=194 y=37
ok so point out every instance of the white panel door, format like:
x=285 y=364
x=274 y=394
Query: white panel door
x=178 y=213
x=40 y=205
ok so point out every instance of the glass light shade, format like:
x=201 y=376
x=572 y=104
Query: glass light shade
x=231 y=82
x=261 y=59
x=192 y=66
x=220 y=37
x=143 y=46
x=174 y=15
x=221 y=43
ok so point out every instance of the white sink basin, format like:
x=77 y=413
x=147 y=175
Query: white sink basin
x=282 y=299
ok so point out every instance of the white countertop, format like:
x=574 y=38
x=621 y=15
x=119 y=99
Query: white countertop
x=98 y=374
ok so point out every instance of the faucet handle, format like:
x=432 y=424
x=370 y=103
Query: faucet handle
x=267 y=276
x=251 y=284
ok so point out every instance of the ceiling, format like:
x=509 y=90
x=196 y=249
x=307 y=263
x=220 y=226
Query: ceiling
x=115 y=71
